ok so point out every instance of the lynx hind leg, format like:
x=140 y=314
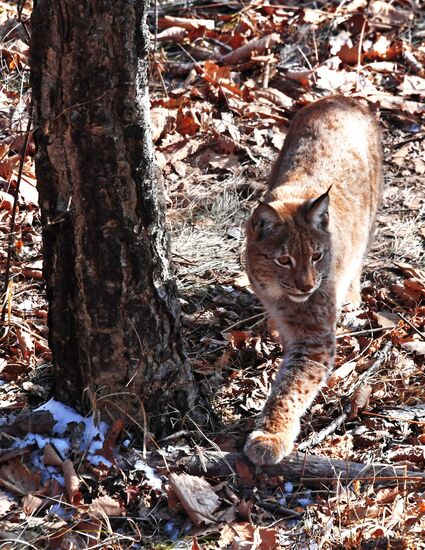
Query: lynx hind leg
x=351 y=299
x=354 y=297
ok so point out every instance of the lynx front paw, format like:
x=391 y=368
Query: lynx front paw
x=267 y=448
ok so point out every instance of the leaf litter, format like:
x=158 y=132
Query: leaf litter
x=226 y=79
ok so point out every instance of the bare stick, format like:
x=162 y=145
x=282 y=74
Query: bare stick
x=310 y=469
x=411 y=325
x=315 y=439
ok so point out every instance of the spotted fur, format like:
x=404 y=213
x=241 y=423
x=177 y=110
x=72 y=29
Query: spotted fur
x=305 y=247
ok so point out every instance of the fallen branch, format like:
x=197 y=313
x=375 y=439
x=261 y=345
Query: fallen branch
x=308 y=469
x=315 y=439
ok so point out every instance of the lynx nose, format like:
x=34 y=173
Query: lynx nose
x=305 y=288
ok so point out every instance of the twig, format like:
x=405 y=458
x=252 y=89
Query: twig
x=242 y=321
x=13 y=217
x=411 y=325
x=359 y=55
x=365 y=331
x=266 y=75
x=314 y=439
x=277 y=508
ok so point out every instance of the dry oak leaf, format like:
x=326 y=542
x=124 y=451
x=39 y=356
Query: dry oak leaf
x=31 y=504
x=72 y=481
x=26 y=344
x=341 y=373
x=254 y=47
x=395 y=103
x=384 y=49
x=411 y=271
x=196 y=496
x=314 y=16
x=415 y=346
x=105 y=506
x=187 y=122
x=6 y=503
x=360 y=400
x=172 y=34
x=18 y=479
x=275 y=96
x=161 y=120
x=412 y=85
x=185 y=23
x=51 y=457
x=239 y=534
x=386 y=15
x=6 y=201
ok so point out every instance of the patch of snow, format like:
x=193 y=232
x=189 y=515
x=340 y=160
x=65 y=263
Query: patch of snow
x=98 y=459
x=289 y=487
x=153 y=479
x=26 y=305
x=62 y=414
x=171 y=530
x=92 y=437
x=60 y=511
x=306 y=499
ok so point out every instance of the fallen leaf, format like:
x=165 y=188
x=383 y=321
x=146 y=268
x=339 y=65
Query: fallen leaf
x=196 y=496
x=31 y=504
x=360 y=400
x=415 y=345
x=275 y=96
x=6 y=201
x=18 y=479
x=341 y=373
x=412 y=85
x=239 y=534
x=187 y=121
x=161 y=119
x=72 y=481
x=391 y=102
x=6 y=503
x=245 y=472
x=172 y=34
x=105 y=506
x=254 y=47
x=186 y=23
x=26 y=344
x=385 y=15
x=51 y=457
x=386 y=319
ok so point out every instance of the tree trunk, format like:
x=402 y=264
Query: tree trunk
x=113 y=311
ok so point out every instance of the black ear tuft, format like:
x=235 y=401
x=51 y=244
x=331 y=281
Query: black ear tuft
x=263 y=220
x=317 y=210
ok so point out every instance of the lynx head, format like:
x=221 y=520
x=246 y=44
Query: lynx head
x=288 y=247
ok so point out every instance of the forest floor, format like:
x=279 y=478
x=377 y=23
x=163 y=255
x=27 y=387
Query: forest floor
x=227 y=77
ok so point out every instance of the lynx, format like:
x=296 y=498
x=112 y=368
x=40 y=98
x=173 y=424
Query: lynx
x=305 y=247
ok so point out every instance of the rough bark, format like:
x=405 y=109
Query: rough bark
x=305 y=468
x=113 y=312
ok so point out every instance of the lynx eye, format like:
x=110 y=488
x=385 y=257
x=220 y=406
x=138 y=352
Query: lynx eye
x=283 y=261
x=317 y=256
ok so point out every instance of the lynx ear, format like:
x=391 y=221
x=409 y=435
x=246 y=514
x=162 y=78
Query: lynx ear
x=262 y=220
x=317 y=210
